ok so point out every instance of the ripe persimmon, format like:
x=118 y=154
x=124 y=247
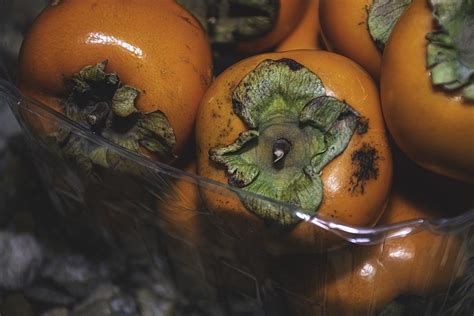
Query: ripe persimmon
x=131 y=71
x=365 y=279
x=427 y=86
x=303 y=128
x=358 y=29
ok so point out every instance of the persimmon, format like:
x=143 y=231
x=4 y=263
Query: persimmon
x=426 y=86
x=363 y=280
x=303 y=128
x=306 y=34
x=359 y=29
x=131 y=71
x=248 y=26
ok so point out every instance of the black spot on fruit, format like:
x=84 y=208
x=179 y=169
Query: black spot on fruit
x=365 y=164
x=293 y=65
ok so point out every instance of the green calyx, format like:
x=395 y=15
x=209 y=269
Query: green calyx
x=295 y=129
x=382 y=18
x=101 y=103
x=230 y=21
x=450 y=50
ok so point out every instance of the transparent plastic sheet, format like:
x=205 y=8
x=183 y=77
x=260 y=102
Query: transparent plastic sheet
x=159 y=208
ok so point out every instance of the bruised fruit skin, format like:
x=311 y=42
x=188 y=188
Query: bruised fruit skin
x=433 y=126
x=362 y=280
x=307 y=32
x=156 y=49
x=296 y=145
x=358 y=29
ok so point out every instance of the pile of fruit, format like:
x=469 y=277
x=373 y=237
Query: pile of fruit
x=322 y=131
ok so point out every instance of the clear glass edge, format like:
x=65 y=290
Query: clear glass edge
x=352 y=234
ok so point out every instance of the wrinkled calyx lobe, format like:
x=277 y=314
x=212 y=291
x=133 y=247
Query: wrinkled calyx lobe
x=230 y=21
x=295 y=129
x=383 y=15
x=450 y=50
x=100 y=102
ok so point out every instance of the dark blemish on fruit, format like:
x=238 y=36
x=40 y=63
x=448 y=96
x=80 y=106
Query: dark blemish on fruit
x=214 y=114
x=365 y=164
x=232 y=179
x=237 y=106
x=362 y=126
x=293 y=65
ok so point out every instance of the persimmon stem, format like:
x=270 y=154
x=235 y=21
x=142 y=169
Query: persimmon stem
x=98 y=115
x=281 y=148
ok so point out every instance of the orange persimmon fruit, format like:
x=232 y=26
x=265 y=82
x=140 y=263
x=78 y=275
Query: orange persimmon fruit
x=301 y=127
x=427 y=87
x=131 y=71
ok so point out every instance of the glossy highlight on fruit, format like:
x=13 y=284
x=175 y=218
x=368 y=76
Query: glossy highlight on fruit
x=132 y=71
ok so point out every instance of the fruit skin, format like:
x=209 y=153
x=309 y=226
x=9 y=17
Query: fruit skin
x=362 y=280
x=344 y=24
x=432 y=127
x=155 y=46
x=178 y=208
x=307 y=32
x=289 y=15
x=218 y=125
